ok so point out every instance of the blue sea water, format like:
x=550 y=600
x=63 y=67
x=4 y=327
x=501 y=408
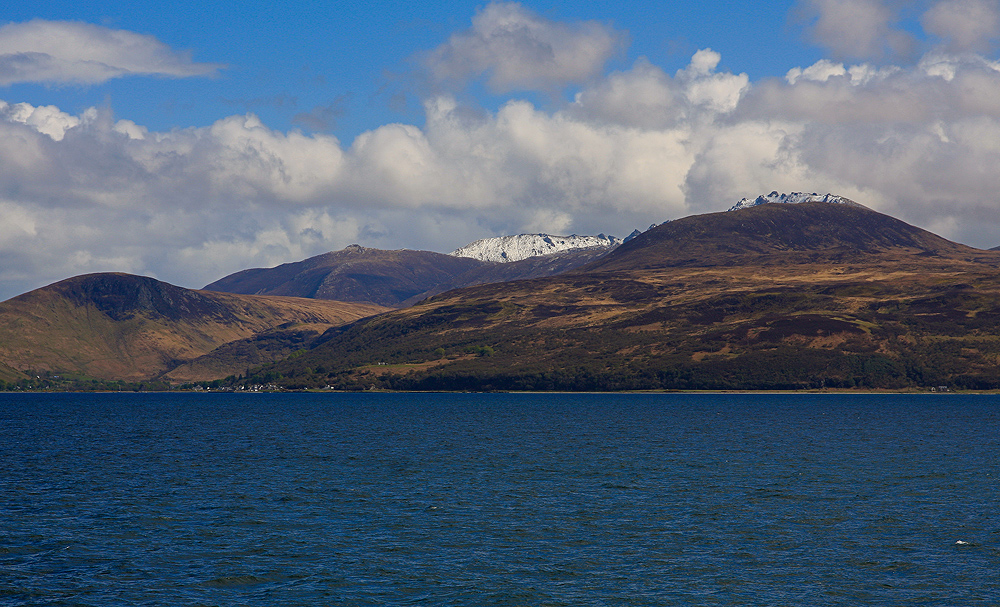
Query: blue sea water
x=499 y=499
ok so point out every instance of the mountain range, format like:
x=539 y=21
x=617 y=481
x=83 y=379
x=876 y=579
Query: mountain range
x=773 y=296
x=399 y=278
x=805 y=295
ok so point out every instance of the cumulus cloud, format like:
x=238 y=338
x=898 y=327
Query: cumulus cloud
x=720 y=92
x=964 y=25
x=824 y=69
x=643 y=97
x=47 y=119
x=82 y=53
x=938 y=87
x=520 y=50
x=858 y=29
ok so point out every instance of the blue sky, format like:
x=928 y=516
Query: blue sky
x=188 y=140
x=358 y=58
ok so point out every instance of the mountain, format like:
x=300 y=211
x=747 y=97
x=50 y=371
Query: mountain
x=392 y=278
x=775 y=296
x=775 y=234
x=504 y=249
x=792 y=198
x=125 y=327
x=358 y=274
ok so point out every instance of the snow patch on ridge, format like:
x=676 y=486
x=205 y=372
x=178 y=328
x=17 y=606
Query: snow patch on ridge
x=793 y=198
x=515 y=248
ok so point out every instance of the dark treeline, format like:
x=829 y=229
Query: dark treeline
x=781 y=369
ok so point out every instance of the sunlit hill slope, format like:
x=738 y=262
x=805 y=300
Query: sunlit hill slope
x=119 y=326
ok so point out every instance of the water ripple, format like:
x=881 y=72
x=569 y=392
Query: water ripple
x=395 y=499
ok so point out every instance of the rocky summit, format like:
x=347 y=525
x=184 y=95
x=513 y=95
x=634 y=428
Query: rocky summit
x=506 y=249
x=792 y=198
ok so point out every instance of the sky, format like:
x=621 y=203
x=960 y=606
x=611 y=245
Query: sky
x=189 y=140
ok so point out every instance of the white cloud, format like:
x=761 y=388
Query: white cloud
x=964 y=25
x=131 y=129
x=82 y=53
x=861 y=29
x=824 y=69
x=720 y=92
x=47 y=119
x=947 y=66
x=647 y=97
x=644 y=97
x=520 y=50
x=821 y=71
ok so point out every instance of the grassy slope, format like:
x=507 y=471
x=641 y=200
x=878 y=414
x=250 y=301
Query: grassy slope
x=357 y=274
x=9 y=374
x=66 y=328
x=235 y=357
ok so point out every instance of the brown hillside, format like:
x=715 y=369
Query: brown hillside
x=775 y=296
x=119 y=326
x=391 y=278
x=777 y=234
x=358 y=274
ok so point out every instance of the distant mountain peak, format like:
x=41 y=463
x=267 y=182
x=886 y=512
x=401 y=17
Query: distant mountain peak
x=522 y=246
x=792 y=198
x=781 y=234
x=631 y=236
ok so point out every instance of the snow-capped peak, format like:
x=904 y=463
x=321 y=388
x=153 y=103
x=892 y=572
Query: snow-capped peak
x=793 y=198
x=523 y=246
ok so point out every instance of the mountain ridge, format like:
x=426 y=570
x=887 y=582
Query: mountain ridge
x=355 y=273
x=397 y=278
x=403 y=277
x=775 y=233
x=809 y=295
x=791 y=198
x=506 y=249
x=789 y=296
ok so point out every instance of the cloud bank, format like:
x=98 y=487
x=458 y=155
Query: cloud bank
x=89 y=192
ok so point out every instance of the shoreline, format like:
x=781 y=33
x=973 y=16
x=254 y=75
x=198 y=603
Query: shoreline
x=832 y=392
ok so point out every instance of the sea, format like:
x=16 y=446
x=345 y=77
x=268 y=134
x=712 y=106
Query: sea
x=224 y=499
